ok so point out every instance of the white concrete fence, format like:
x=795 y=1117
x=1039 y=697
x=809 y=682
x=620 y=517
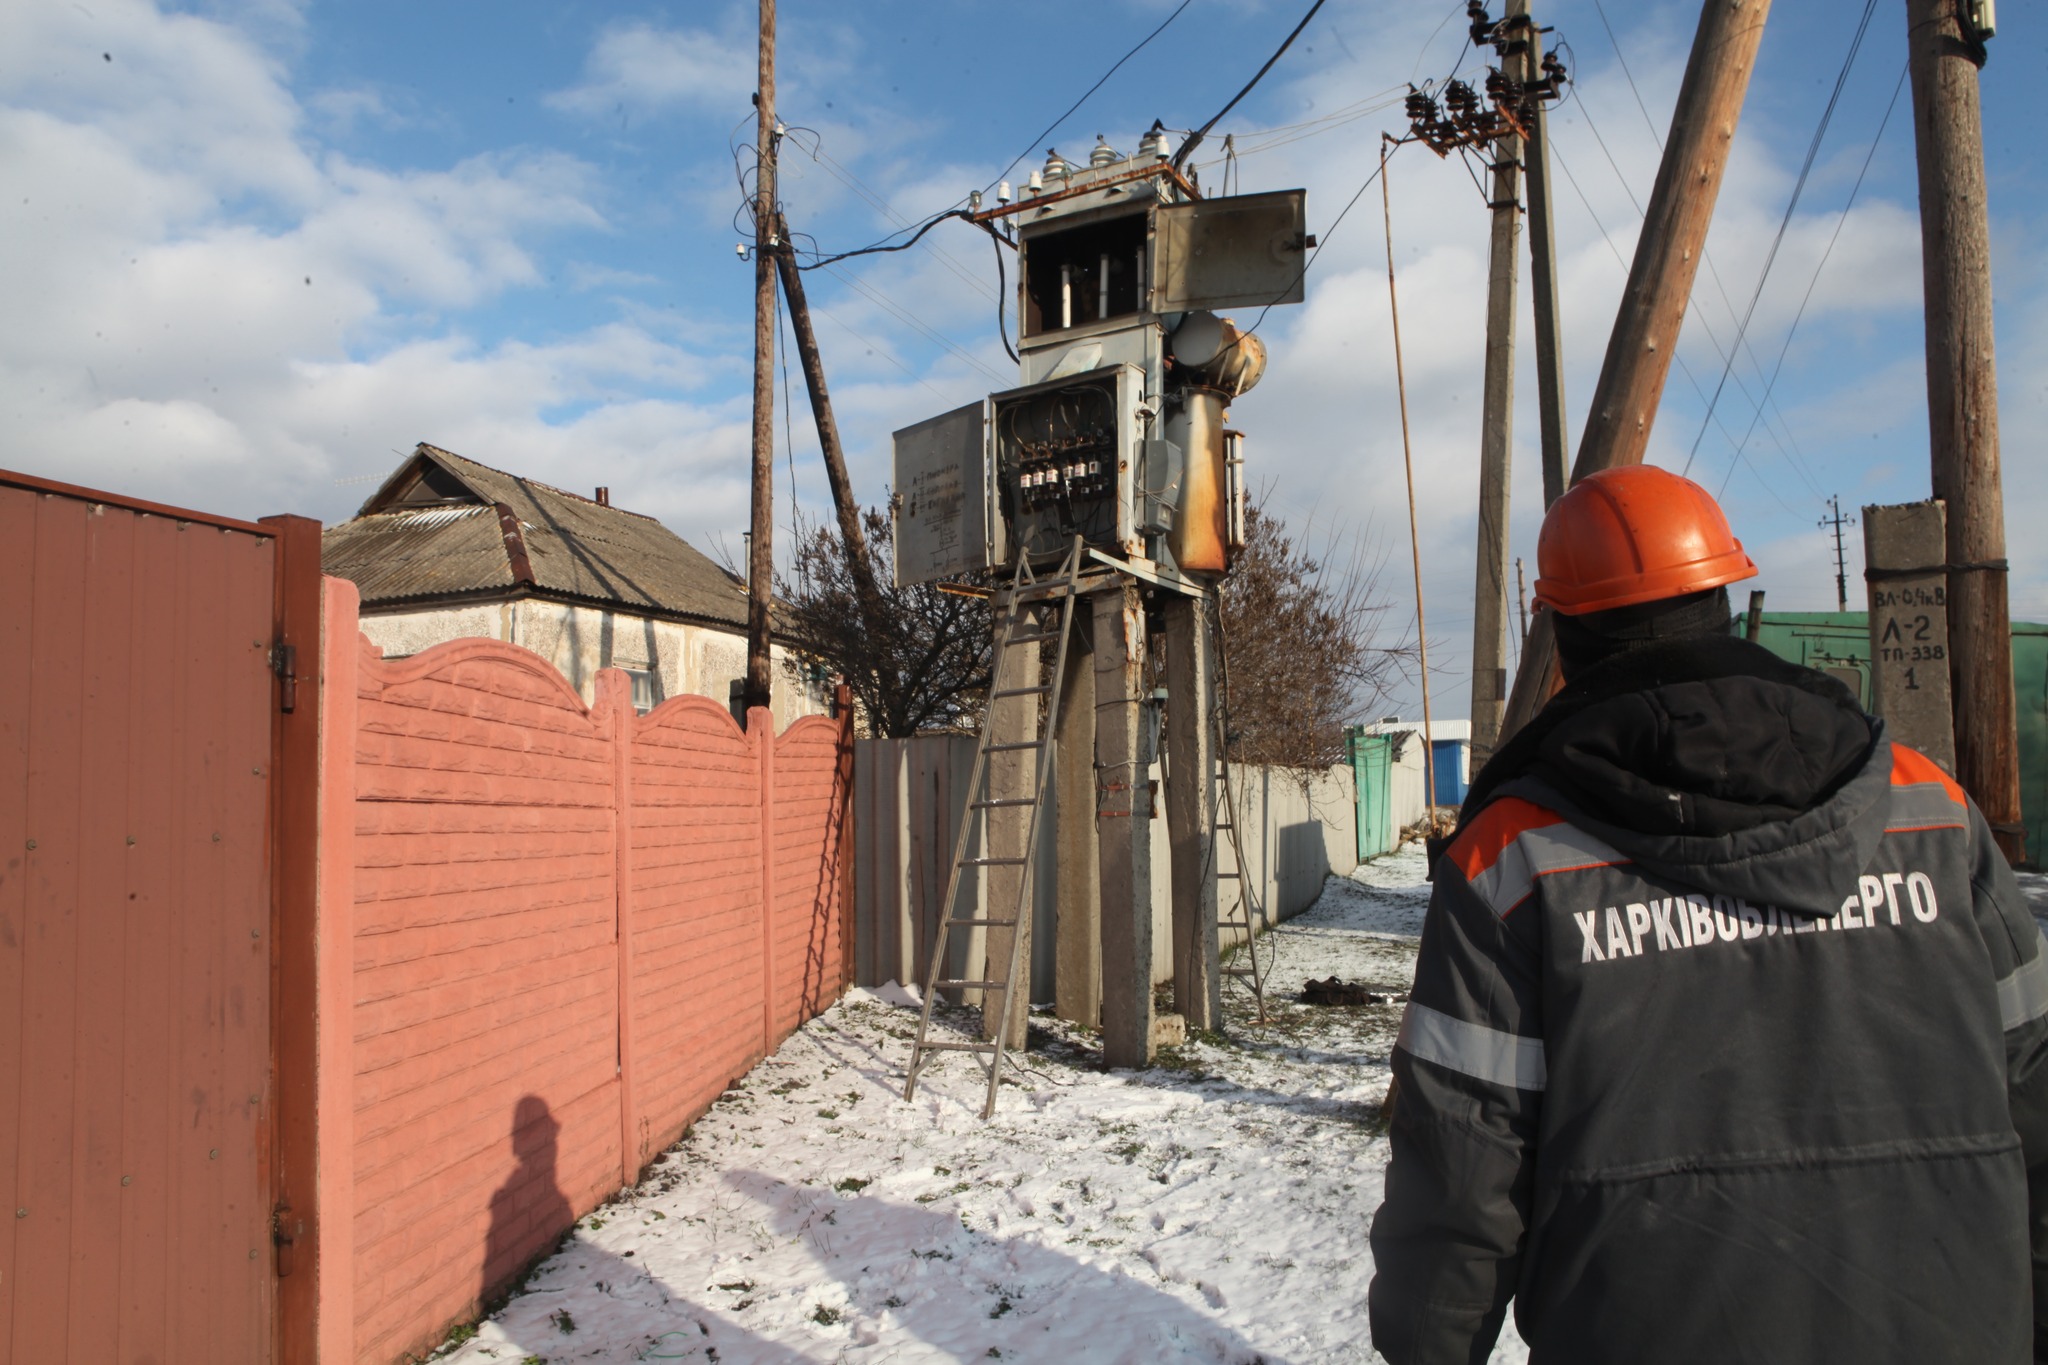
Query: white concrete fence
x=1297 y=826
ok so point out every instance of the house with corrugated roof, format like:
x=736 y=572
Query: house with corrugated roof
x=450 y=549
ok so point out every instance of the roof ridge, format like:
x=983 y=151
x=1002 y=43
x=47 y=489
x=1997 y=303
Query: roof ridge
x=535 y=483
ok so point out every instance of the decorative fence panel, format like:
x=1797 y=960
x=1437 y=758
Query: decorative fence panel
x=568 y=929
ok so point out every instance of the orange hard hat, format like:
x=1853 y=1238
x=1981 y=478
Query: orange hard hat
x=1633 y=534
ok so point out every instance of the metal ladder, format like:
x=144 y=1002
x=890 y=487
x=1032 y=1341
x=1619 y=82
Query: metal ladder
x=1239 y=915
x=1032 y=611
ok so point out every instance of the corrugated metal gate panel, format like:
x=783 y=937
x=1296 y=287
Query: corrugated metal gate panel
x=135 y=755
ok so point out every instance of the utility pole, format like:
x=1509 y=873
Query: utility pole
x=843 y=501
x=1522 y=600
x=1646 y=327
x=1838 y=521
x=761 y=544
x=1945 y=49
x=1514 y=35
x=1556 y=442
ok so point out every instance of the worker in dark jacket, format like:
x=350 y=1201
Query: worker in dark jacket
x=1729 y=1033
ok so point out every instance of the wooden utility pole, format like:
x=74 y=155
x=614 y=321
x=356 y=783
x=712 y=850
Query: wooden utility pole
x=1653 y=305
x=761 y=538
x=1962 y=405
x=843 y=501
x=1497 y=419
x=1543 y=284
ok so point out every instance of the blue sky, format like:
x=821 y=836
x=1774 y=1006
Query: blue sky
x=257 y=249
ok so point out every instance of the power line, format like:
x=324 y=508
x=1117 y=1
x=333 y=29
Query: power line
x=1195 y=139
x=1784 y=436
x=1821 y=265
x=1622 y=262
x=1798 y=187
x=915 y=323
x=1723 y=353
x=1054 y=125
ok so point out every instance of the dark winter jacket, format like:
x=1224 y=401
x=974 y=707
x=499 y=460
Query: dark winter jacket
x=1728 y=1043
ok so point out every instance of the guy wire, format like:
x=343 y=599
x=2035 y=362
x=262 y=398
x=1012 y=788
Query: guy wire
x=1408 y=463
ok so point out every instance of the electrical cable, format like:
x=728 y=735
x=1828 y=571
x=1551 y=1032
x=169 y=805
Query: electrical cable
x=1807 y=298
x=1622 y=262
x=1693 y=309
x=788 y=426
x=839 y=172
x=1781 y=430
x=1050 y=128
x=917 y=324
x=1321 y=242
x=880 y=249
x=1195 y=139
x=1457 y=7
x=1002 y=292
x=1798 y=187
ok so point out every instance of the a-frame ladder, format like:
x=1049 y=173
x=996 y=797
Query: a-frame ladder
x=1243 y=913
x=1031 y=611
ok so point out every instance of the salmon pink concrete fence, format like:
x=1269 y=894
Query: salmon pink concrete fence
x=545 y=953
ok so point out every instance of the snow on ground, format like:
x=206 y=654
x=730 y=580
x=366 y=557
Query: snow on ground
x=1214 y=1208
x=2035 y=886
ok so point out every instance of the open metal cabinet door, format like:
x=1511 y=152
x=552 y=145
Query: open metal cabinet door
x=1249 y=250
x=944 y=505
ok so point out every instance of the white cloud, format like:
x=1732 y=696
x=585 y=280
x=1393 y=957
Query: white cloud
x=641 y=67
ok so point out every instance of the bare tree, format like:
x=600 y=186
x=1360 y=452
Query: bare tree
x=1301 y=650
x=926 y=666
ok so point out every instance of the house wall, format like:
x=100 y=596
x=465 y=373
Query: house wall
x=558 y=932
x=692 y=660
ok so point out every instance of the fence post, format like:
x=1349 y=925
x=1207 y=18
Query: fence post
x=334 y=1257
x=761 y=730
x=842 y=865
x=295 y=869
x=614 y=702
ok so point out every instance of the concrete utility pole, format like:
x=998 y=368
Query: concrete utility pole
x=1653 y=306
x=1962 y=403
x=1123 y=820
x=1838 y=521
x=761 y=536
x=1497 y=420
x=1191 y=812
x=1543 y=284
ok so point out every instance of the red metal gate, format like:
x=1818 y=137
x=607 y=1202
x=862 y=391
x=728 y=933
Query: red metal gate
x=146 y=881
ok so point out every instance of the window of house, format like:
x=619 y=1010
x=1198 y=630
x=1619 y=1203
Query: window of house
x=646 y=688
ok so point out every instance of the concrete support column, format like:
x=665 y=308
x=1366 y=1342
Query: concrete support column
x=1191 y=813
x=1123 y=812
x=1077 y=974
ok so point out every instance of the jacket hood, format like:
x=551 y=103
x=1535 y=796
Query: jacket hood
x=1712 y=761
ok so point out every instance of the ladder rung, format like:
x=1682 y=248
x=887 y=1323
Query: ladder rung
x=982 y=985
x=993 y=862
x=1018 y=692
x=1003 y=801
x=956 y=1047
x=1235 y=875
x=1232 y=971
x=1031 y=639
x=1005 y=748
x=986 y=923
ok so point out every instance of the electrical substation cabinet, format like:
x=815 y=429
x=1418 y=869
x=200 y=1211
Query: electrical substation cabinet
x=1118 y=433
x=1030 y=469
